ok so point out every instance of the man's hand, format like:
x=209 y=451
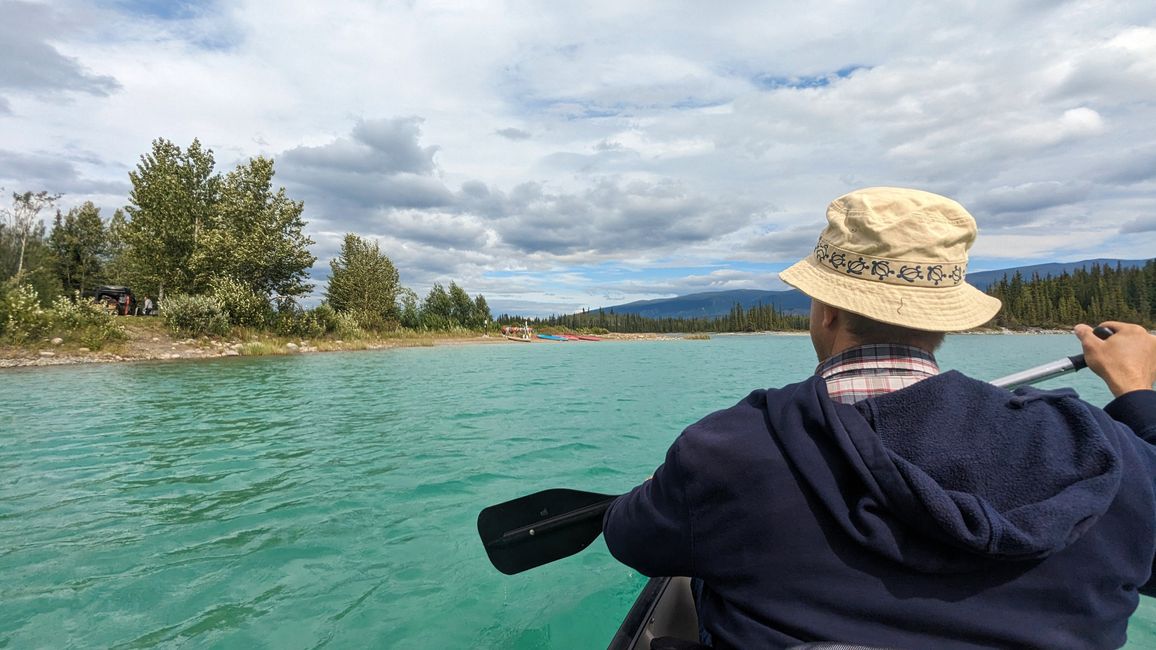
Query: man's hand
x=1126 y=361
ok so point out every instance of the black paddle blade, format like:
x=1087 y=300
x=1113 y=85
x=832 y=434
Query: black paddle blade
x=539 y=528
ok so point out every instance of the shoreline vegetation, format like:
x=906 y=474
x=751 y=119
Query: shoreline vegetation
x=147 y=339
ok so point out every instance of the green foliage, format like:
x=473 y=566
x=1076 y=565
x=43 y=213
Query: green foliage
x=117 y=267
x=189 y=225
x=242 y=305
x=78 y=243
x=462 y=310
x=25 y=320
x=291 y=320
x=195 y=315
x=437 y=311
x=481 y=315
x=255 y=235
x=1091 y=295
x=25 y=229
x=408 y=309
x=347 y=327
x=173 y=199
x=31 y=256
x=364 y=283
x=757 y=318
x=343 y=325
x=84 y=322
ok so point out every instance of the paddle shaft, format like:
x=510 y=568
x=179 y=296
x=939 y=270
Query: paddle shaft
x=524 y=533
x=1049 y=370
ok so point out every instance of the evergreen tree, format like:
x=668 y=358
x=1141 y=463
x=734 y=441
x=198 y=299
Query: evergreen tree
x=364 y=282
x=78 y=242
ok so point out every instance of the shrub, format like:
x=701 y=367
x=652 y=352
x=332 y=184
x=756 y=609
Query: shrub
x=347 y=327
x=294 y=321
x=25 y=320
x=195 y=315
x=85 y=322
x=326 y=316
x=242 y=305
x=5 y=289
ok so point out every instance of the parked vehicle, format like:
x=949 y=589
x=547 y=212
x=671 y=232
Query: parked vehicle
x=116 y=299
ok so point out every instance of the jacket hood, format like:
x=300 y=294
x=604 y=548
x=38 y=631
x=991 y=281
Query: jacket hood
x=953 y=464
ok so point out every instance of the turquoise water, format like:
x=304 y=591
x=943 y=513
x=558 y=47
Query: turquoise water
x=330 y=500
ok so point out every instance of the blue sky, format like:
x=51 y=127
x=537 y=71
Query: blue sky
x=554 y=158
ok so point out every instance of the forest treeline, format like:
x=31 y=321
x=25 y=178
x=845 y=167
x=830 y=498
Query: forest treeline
x=214 y=251
x=1090 y=295
x=756 y=318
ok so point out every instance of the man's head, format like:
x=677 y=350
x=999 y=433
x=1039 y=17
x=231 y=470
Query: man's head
x=894 y=260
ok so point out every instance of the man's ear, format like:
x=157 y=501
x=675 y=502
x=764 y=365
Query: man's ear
x=830 y=316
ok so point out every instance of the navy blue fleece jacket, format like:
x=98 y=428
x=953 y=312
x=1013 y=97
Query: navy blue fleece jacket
x=950 y=514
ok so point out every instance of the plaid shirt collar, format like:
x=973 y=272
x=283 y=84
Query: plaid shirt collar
x=870 y=370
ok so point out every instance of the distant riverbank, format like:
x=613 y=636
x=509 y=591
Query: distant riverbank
x=147 y=340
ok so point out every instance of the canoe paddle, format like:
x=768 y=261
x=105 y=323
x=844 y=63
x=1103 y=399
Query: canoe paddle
x=542 y=527
x=546 y=526
x=1049 y=370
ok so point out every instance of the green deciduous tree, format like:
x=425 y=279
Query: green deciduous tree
x=408 y=309
x=255 y=235
x=364 y=282
x=481 y=314
x=78 y=242
x=115 y=260
x=437 y=310
x=463 y=307
x=174 y=196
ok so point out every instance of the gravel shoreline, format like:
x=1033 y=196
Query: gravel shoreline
x=153 y=345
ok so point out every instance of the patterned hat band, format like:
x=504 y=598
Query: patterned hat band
x=878 y=269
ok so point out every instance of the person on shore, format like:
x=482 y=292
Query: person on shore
x=883 y=502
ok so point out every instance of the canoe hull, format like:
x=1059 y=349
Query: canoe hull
x=664 y=607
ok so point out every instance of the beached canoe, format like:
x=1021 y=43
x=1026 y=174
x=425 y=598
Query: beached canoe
x=551 y=337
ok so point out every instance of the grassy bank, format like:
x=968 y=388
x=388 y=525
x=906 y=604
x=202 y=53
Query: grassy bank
x=146 y=338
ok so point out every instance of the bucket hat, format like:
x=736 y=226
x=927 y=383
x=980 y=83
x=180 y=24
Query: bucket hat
x=898 y=256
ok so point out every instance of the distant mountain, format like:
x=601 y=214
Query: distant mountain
x=985 y=279
x=718 y=303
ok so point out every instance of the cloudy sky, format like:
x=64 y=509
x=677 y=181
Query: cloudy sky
x=555 y=156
